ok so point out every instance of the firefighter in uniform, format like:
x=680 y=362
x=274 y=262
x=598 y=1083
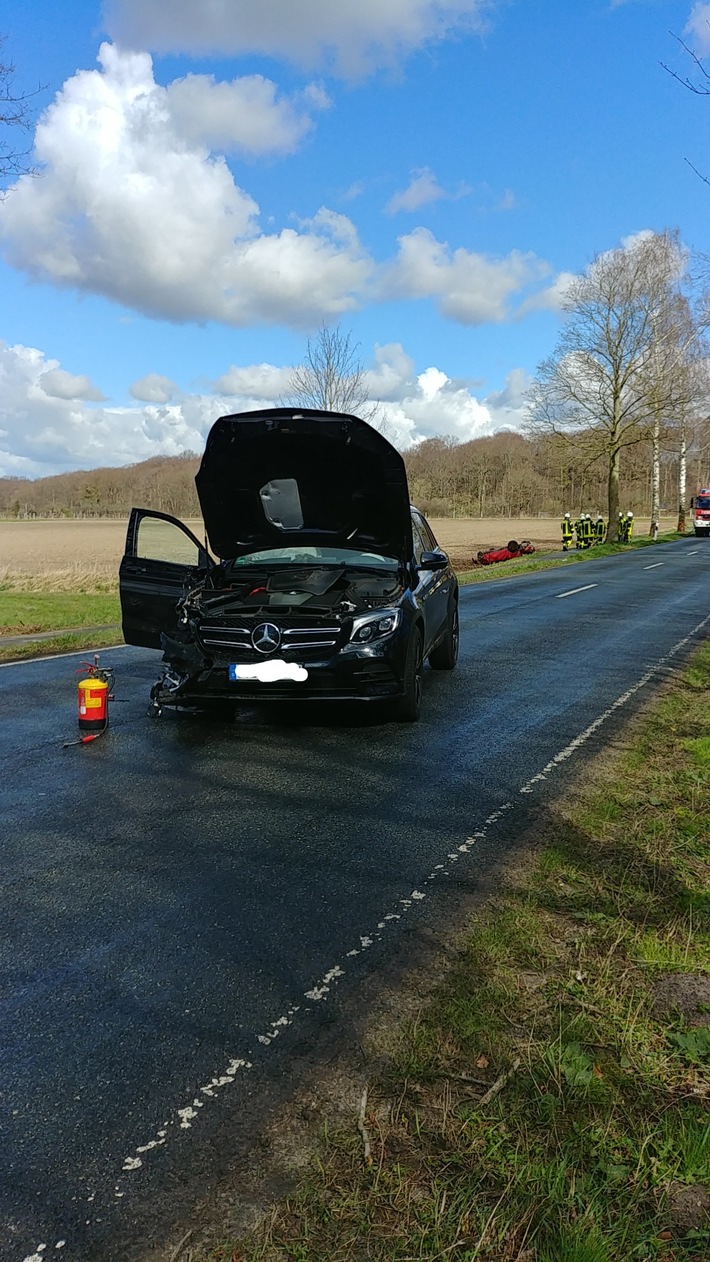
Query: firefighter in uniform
x=629 y=527
x=579 y=531
x=586 y=530
x=567 y=532
x=621 y=528
x=599 y=529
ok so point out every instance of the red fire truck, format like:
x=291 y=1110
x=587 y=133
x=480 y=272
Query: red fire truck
x=700 y=505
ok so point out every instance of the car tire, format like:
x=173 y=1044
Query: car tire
x=445 y=655
x=408 y=708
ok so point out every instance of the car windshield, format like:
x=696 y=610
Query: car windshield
x=702 y=501
x=298 y=554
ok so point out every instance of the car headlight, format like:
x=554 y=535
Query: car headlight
x=369 y=627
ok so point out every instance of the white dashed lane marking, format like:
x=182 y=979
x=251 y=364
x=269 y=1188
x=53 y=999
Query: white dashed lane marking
x=588 y=588
x=183 y=1118
x=654 y=566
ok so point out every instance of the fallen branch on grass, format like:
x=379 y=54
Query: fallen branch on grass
x=362 y=1129
x=473 y=1082
x=180 y=1246
x=499 y=1084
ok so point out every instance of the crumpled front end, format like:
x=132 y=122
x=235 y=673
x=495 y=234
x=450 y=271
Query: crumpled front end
x=284 y=633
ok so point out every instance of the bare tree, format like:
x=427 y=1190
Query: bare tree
x=677 y=365
x=595 y=389
x=669 y=379
x=332 y=377
x=15 y=113
x=700 y=85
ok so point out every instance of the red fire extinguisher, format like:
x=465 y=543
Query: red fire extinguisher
x=94 y=691
x=93 y=704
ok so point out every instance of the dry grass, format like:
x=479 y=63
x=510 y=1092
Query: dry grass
x=463 y=537
x=67 y=555
x=62 y=556
x=541 y=1105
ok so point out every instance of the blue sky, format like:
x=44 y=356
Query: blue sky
x=215 y=179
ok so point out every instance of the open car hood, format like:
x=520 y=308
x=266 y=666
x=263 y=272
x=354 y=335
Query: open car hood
x=272 y=478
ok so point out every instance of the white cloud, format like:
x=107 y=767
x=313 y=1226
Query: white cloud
x=699 y=27
x=58 y=384
x=422 y=189
x=257 y=382
x=245 y=115
x=508 y=201
x=436 y=405
x=467 y=287
x=393 y=376
x=352 y=36
x=128 y=206
x=40 y=434
x=131 y=203
x=47 y=434
x=509 y=407
x=153 y=388
x=551 y=298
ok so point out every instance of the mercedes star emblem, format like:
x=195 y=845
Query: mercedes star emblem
x=266 y=637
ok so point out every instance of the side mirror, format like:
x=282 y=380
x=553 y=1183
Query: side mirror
x=692 y=501
x=433 y=561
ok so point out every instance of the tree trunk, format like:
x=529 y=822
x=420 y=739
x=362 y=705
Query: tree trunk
x=655 y=474
x=612 y=535
x=682 y=477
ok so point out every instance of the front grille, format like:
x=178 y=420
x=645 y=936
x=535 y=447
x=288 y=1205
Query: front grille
x=310 y=637
x=224 y=637
x=294 y=639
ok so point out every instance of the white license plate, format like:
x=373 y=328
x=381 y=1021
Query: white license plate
x=272 y=672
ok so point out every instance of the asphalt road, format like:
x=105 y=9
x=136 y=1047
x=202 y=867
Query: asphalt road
x=186 y=905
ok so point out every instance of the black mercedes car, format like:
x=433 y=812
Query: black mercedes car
x=317 y=580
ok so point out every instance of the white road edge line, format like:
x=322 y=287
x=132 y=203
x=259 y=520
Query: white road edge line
x=588 y=588
x=584 y=736
x=654 y=566
x=182 y=1118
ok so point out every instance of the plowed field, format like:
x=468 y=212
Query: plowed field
x=61 y=553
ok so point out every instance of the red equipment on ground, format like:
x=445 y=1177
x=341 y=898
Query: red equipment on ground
x=509 y=553
x=94 y=692
x=93 y=704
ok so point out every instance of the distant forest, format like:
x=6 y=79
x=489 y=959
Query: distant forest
x=507 y=475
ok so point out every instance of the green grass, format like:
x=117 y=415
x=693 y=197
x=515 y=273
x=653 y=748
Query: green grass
x=24 y=612
x=605 y=1104
x=527 y=565
x=80 y=642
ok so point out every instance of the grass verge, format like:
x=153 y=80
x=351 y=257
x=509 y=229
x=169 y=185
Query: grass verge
x=549 y=1103
x=76 y=643
x=528 y=565
x=26 y=612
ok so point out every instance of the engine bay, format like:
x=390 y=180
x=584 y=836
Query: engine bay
x=330 y=590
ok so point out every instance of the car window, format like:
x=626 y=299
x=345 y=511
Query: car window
x=420 y=544
x=162 y=541
x=302 y=553
x=427 y=534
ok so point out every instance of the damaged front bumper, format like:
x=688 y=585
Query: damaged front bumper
x=191 y=680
